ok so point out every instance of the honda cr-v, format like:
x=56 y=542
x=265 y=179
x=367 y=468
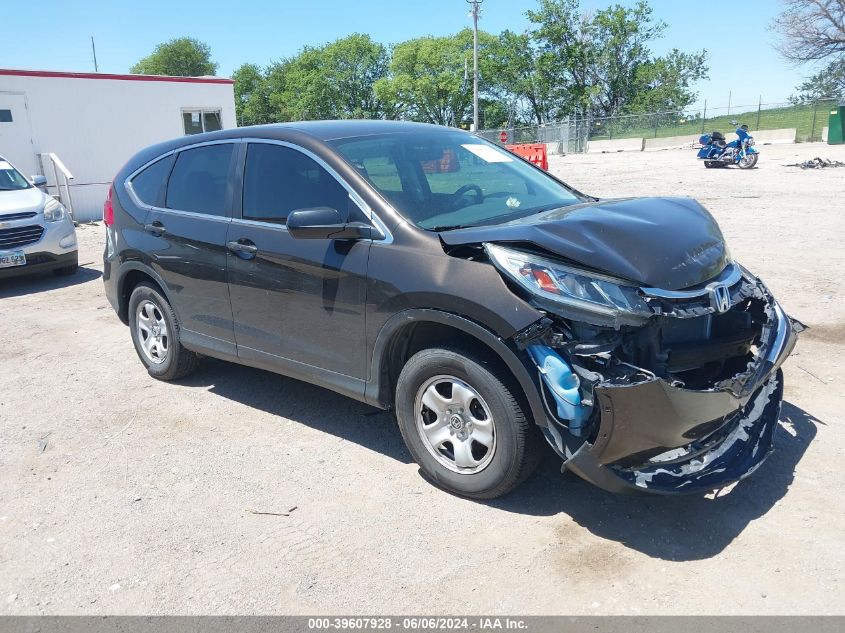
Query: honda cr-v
x=490 y=305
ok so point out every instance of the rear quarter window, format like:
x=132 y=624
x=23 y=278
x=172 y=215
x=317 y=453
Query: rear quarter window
x=199 y=180
x=148 y=184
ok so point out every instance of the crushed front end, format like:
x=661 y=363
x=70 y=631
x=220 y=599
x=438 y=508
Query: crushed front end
x=665 y=391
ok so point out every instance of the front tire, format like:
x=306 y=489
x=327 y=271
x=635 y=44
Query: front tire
x=155 y=334
x=749 y=161
x=463 y=423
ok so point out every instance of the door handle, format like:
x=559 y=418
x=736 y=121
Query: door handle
x=156 y=228
x=243 y=248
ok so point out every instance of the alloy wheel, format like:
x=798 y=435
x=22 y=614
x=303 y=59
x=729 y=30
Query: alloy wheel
x=153 y=335
x=455 y=424
x=748 y=161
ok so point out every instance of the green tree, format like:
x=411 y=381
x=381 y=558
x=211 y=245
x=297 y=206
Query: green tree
x=430 y=78
x=513 y=81
x=601 y=63
x=562 y=35
x=252 y=103
x=298 y=88
x=496 y=113
x=619 y=38
x=352 y=65
x=664 y=84
x=180 y=57
x=334 y=81
x=828 y=82
x=571 y=62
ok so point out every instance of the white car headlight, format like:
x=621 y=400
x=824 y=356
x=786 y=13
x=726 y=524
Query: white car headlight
x=53 y=210
x=560 y=284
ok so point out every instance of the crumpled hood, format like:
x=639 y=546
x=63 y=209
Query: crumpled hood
x=21 y=201
x=669 y=243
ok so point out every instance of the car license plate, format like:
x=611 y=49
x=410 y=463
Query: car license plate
x=12 y=258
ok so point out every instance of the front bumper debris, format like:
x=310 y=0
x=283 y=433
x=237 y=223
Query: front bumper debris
x=731 y=453
x=652 y=433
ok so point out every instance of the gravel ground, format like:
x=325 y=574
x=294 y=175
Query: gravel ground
x=123 y=495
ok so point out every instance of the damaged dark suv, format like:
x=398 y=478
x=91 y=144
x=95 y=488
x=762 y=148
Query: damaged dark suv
x=424 y=269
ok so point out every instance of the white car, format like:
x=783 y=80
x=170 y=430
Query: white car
x=36 y=232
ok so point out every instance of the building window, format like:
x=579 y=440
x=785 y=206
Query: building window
x=5 y=116
x=199 y=121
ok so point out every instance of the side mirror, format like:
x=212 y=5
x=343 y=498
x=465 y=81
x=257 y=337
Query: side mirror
x=323 y=223
x=39 y=181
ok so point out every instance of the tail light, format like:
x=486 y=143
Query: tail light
x=108 y=210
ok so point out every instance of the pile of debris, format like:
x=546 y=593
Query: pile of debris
x=818 y=163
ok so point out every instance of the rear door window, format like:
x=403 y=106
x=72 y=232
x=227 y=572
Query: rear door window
x=199 y=180
x=148 y=185
x=278 y=180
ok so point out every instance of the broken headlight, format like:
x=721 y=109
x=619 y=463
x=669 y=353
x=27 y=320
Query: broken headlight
x=572 y=287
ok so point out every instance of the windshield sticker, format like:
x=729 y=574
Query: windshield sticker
x=513 y=203
x=4 y=165
x=488 y=154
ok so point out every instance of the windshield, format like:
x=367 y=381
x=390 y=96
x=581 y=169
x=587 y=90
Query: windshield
x=10 y=178
x=447 y=180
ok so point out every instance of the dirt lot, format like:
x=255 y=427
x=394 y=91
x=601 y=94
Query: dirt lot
x=140 y=501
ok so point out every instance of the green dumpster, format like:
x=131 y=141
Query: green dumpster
x=837 y=119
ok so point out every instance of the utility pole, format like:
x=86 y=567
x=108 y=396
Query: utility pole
x=94 y=52
x=476 y=10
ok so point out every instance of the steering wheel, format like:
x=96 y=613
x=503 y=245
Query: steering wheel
x=460 y=193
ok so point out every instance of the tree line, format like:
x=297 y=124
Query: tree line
x=569 y=61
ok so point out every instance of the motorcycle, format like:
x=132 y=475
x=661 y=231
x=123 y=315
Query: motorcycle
x=715 y=152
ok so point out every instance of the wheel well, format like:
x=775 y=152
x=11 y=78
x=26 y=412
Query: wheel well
x=130 y=282
x=417 y=336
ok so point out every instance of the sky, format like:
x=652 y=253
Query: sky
x=743 y=64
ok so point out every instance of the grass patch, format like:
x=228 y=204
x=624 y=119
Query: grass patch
x=799 y=117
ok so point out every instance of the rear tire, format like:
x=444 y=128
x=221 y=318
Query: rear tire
x=155 y=334
x=463 y=423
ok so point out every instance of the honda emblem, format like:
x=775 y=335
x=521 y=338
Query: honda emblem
x=720 y=298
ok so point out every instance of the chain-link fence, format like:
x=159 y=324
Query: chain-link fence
x=572 y=134
x=564 y=137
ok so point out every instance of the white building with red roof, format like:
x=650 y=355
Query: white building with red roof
x=86 y=125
